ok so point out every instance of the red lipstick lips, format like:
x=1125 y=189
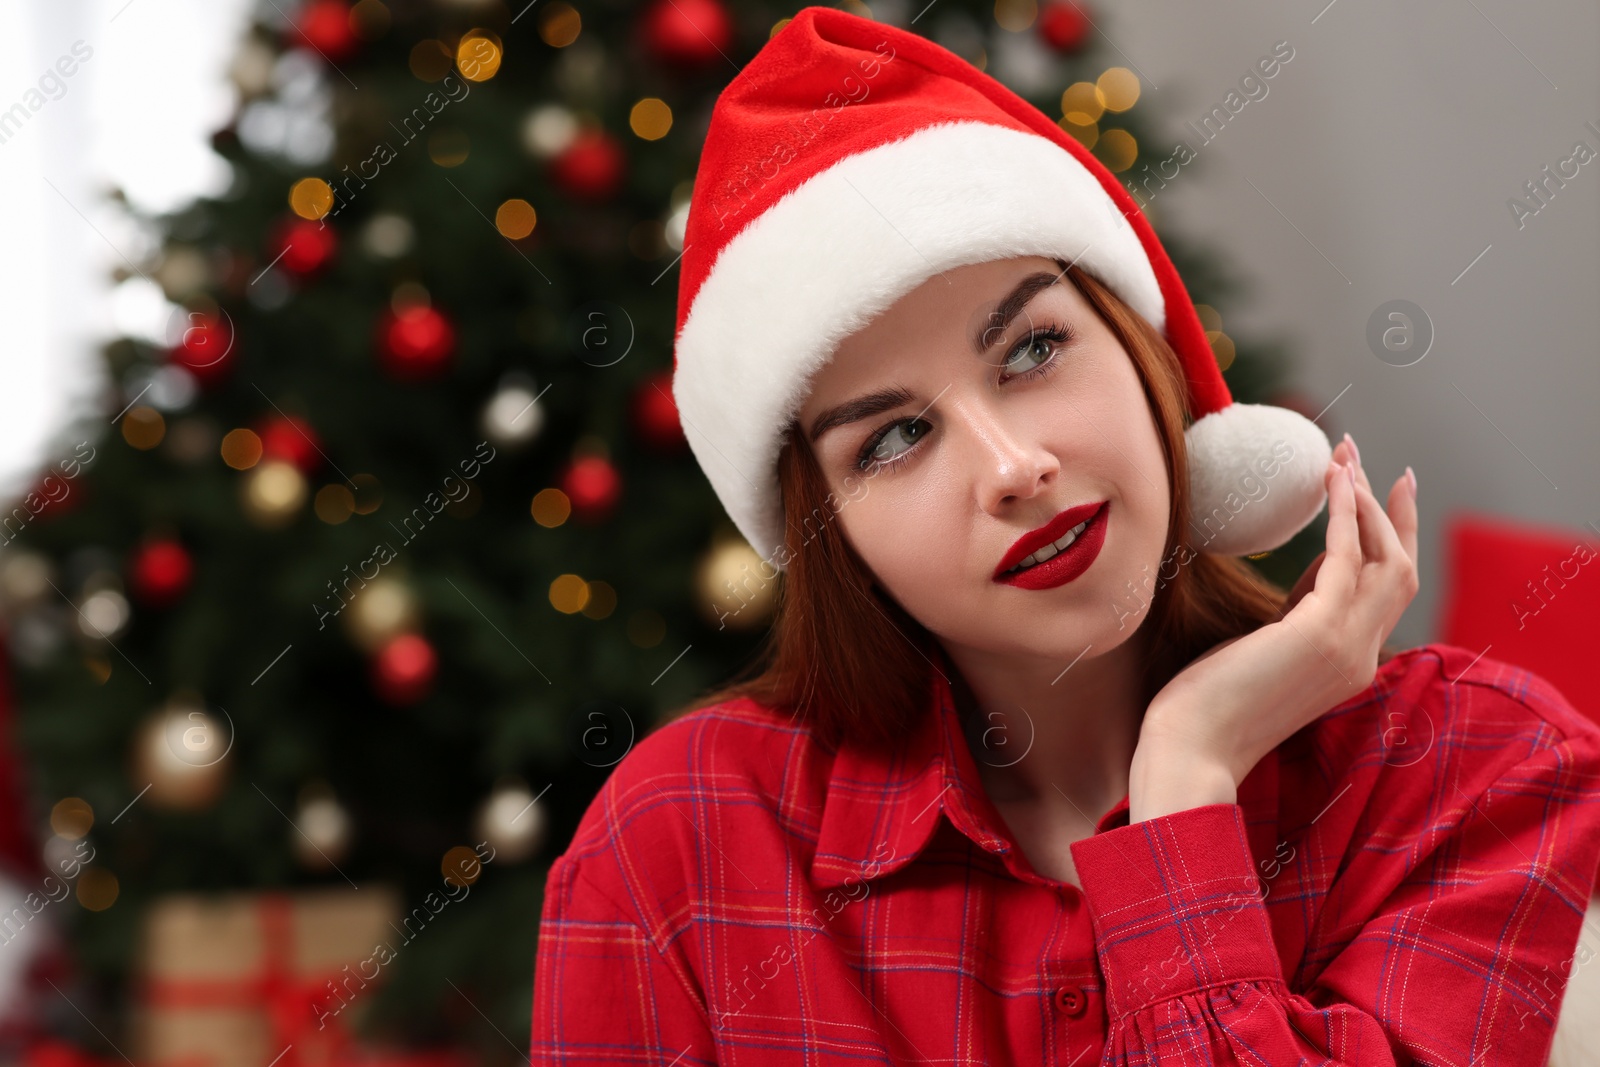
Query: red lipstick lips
x=1066 y=564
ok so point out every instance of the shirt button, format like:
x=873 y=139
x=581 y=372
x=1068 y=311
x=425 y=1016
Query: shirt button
x=1071 y=1000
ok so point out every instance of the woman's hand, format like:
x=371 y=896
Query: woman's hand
x=1214 y=721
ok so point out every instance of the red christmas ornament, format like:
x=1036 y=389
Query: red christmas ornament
x=51 y=495
x=325 y=26
x=416 y=343
x=159 y=572
x=206 y=347
x=302 y=246
x=591 y=167
x=1065 y=26
x=687 y=33
x=292 y=440
x=404 y=669
x=655 y=413
x=593 y=485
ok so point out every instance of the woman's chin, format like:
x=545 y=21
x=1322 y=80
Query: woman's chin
x=1061 y=637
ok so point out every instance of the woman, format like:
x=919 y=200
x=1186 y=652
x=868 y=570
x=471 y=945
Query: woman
x=1037 y=770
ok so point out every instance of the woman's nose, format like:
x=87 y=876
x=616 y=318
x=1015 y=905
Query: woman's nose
x=1008 y=459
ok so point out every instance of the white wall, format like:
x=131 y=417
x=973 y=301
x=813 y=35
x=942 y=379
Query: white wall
x=1393 y=140
x=145 y=92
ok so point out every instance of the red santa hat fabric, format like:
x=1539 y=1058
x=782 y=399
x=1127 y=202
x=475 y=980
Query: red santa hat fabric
x=849 y=162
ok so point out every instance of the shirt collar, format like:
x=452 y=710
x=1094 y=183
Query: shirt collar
x=883 y=804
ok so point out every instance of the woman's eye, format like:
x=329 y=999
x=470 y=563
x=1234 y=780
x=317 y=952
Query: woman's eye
x=1033 y=356
x=1035 y=350
x=892 y=443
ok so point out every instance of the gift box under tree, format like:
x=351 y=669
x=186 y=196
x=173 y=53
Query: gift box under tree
x=249 y=979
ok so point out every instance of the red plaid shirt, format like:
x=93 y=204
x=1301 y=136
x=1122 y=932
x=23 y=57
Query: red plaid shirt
x=1401 y=881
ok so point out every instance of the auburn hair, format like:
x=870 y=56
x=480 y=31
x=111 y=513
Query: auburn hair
x=844 y=659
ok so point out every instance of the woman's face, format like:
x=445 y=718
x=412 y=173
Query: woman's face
x=941 y=458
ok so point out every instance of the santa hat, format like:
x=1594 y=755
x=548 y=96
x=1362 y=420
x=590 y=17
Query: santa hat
x=849 y=162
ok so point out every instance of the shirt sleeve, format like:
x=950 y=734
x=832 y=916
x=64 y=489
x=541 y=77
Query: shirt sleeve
x=1464 y=962
x=604 y=991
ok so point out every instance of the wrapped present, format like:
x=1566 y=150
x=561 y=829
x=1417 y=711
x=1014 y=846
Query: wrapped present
x=249 y=979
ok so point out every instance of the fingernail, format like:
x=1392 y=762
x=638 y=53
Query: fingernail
x=1411 y=476
x=1351 y=471
x=1356 y=452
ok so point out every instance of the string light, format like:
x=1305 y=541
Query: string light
x=515 y=219
x=71 y=818
x=1119 y=88
x=478 y=56
x=551 y=508
x=650 y=118
x=1086 y=135
x=1015 y=15
x=1083 y=103
x=143 y=428
x=241 y=449
x=334 y=504
x=569 y=593
x=1222 y=348
x=560 y=24
x=602 y=600
x=311 y=198
x=1118 y=149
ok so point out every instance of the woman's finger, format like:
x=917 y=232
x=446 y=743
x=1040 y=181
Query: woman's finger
x=1375 y=545
x=1403 y=513
x=1379 y=541
x=1403 y=516
x=1336 y=578
x=1353 y=457
x=1385 y=585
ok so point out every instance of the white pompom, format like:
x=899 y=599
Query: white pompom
x=1255 y=478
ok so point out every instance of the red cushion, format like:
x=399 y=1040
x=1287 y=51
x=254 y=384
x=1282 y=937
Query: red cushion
x=1528 y=594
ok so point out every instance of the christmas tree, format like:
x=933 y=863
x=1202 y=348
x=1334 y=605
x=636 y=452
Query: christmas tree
x=393 y=548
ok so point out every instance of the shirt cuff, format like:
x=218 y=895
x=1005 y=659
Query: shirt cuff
x=1176 y=906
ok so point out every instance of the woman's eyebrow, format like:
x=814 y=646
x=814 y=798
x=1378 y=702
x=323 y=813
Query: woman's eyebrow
x=990 y=331
x=862 y=407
